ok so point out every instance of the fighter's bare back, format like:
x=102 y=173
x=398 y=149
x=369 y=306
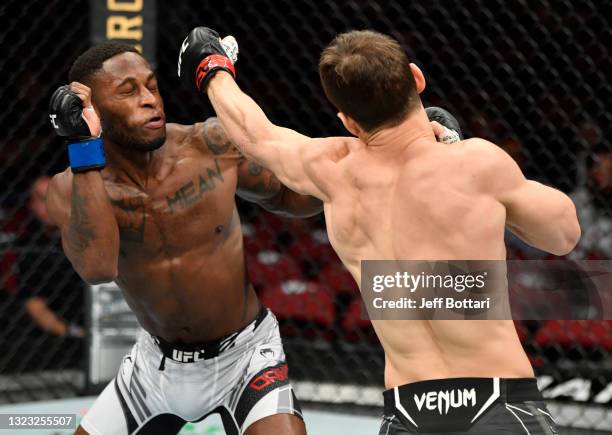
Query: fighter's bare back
x=395 y=200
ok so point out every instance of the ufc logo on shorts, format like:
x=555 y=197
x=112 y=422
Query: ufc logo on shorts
x=183 y=49
x=183 y=356
x=444 y=400
x=52 y=117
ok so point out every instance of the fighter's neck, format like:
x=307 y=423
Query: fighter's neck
x=136 y=166
x=415 y=128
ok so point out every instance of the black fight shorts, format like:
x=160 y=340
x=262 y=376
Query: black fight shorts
x=483 y=406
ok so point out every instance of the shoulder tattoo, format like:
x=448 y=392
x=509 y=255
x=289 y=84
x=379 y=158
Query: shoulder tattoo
x=215 y=137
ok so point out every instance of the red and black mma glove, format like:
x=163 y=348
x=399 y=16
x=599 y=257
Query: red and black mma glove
x=85 y=152
x=202 y=55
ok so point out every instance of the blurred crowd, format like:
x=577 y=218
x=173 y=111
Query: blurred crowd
x=42 y=305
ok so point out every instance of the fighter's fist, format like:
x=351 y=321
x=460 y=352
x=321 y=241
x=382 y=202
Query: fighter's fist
x=203 y=54
x=73 y=117
x=71 y=113
x=444 y=125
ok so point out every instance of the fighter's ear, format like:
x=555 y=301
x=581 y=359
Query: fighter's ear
x=419 y=78
x=350 y=124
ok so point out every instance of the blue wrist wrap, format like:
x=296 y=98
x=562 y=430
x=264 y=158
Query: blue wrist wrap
x=86 y=155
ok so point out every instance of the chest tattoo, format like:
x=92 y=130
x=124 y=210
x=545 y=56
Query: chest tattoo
x=189 y=193
x=133 y=218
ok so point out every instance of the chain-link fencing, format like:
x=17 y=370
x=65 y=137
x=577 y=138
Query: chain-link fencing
x=532 y=76
x=42 y=299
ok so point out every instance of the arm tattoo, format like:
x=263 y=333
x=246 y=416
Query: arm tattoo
x=267 y=186
x=215 y=137
x=259 y=185
x=254 y=169
x=81 y=231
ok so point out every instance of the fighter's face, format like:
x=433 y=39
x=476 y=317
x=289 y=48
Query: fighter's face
x=126 y=97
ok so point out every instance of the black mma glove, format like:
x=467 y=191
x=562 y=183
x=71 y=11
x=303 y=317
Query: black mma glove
x=85 y=152
x=453 y=131
x=203 y=54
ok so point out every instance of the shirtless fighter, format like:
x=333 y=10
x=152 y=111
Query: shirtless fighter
x=394 y=193
x=157 y=215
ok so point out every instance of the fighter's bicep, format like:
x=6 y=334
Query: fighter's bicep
x=256 y=183
x=530 y=204
x=525 y=200
x=518 y=204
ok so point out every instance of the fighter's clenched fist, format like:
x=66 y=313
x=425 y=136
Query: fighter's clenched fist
x=202 y=54
x=74 y=118
x=71 y=112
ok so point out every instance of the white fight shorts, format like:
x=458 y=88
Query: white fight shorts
x=161 y=386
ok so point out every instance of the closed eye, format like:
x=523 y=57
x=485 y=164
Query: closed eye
x=128 y=91
x=152 y=84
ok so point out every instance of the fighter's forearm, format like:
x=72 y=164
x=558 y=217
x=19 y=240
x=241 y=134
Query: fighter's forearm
x=92 y=237
x=245 y=122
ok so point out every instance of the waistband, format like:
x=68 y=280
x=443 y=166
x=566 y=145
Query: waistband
x=188 y=353
x=454 y=404
x=507 y=390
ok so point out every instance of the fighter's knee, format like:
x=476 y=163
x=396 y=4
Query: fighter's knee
x=81 y=431
x=276 y=424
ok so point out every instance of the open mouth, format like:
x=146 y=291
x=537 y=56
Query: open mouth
x=155 y=122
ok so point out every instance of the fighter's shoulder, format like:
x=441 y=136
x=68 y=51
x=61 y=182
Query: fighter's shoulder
x=179 y=133
x=488 y=161
x=60 y=185
x=211 y=137
x=333 y=149
x=482 y=152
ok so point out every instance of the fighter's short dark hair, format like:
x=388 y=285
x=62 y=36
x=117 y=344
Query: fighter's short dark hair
x=91 y=60
x=367 y=76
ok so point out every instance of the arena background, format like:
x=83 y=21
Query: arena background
x=532 y=76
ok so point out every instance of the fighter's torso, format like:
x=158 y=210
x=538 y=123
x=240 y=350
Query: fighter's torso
x=424 y=202
x=181 y=264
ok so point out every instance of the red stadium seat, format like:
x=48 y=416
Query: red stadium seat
x=313 y=246
x=353 y=319
x=354 y=328
x=269 y=268
x=585 y=333
x=8 y=265
x=337 y=279
x=257 y=239
x=300 y=300
x=270 y=222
